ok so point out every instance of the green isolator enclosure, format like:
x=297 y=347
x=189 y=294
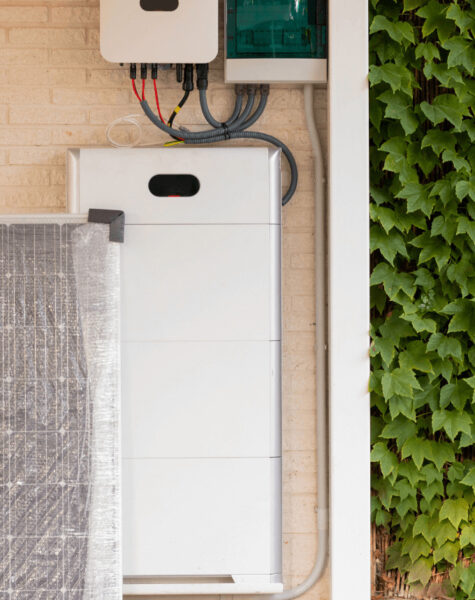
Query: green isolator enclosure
x=276 y=29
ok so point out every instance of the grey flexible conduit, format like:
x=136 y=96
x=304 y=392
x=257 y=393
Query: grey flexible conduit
x=237 y=110
x=222 y=134
x=242 y=121
x=321 y=359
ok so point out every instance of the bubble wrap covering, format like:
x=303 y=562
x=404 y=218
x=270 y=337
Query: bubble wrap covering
x=59 y=413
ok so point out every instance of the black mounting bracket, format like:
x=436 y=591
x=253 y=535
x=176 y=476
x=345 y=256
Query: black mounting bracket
x=114 y=218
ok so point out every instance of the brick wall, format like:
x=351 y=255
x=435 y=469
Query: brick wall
x=56 y=91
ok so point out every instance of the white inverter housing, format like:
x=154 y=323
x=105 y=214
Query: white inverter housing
x=201 y=356
x=159 y=31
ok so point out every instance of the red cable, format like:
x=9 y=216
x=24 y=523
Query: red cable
x=157 y=101
x=143 y=89
x=135 y=90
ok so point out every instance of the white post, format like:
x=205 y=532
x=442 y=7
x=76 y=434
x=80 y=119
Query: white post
x=349 y=300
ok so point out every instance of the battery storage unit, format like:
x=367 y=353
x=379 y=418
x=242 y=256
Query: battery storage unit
x=201 y=356
x=276 y=41
x=159 y=31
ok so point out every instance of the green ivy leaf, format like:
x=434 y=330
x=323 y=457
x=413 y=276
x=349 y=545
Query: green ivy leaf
x=449 y=552
x=463 y=319
x=441 y=453
x=421 y=571
x=385 y=347
x=417 y=196
x=424 y=525
x=386 y=459
x=461 y=52
x=410 y=472
x=466 y=188
x=428 y=51
x=416 y=547
x=439 y=141
x=415 y=357
x=398 y=77
x=444 y=227
x=392 y=280
x=467 y=537
x=445 y=346
x=399 y=382
x=445 y=107
x=463 y=18
x=469 y=479
x=431 y=248
x=402 y=405
x=456 y=394
x=465 y=225
x=418 y=449
x=467 y=581
x=435 y=20
x=399 y=429
x=455 y=511
x=453 y=422
x=397 y=30
x=388 y=245
x=443 y=532
x=399 y=107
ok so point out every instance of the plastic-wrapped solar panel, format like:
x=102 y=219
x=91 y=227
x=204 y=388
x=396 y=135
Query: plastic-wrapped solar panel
x=59 y=413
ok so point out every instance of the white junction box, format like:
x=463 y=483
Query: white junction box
x=201 y=362
x=159 y=31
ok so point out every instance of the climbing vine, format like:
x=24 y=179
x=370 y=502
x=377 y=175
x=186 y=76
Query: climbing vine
x=422 y=97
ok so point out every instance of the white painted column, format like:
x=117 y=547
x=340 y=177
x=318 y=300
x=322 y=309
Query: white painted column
x=349 y=300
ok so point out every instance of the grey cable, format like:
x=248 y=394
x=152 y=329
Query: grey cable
x=321 y=347
x=244 y=124
x=235 y=135
x=206 y=111
x=258 y=113
x=245 y=113
x=237 y=110
x=223 y=134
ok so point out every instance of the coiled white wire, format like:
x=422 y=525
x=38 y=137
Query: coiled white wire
x=126 y=120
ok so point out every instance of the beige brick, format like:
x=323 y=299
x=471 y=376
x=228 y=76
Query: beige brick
x=3 y=157
x=79 y=136
x=93 y=38
x=15 y=97
x=57 y=176
x=20 y=56
x=14 y=198
x=25 y=77
x=305 y=304
x=104 y=116
x=303 y=383
x=3 y=114
x=118 y=77
x=39 y=38
x=77 y=58
x=47 y=115
x=24 y=176
x=37 y=156
x=23 y=14
x=24 y=136
x=299 y=514
x=69 y=96
x=75 y=15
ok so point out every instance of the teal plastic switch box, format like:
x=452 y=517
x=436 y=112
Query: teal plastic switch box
x=276 y=29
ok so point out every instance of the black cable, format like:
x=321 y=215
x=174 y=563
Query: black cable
x=180 y=105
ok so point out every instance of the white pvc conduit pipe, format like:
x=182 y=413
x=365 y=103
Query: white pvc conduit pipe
x=321 y=350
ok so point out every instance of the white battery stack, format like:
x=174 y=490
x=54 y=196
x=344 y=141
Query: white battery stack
x=201 y=354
